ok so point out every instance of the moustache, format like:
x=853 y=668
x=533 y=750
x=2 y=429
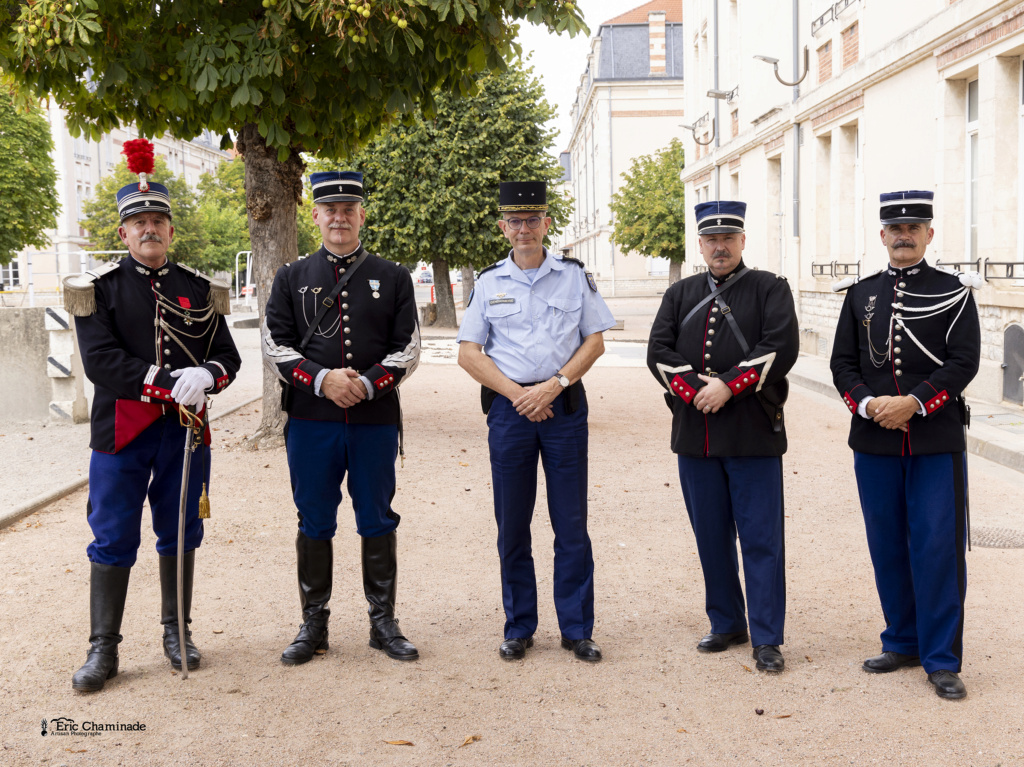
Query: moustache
x=151 y=238
x=721 y=254
x=903 y=244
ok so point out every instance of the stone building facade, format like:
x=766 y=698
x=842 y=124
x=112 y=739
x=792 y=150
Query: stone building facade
x=629 y=103
x=911 y=95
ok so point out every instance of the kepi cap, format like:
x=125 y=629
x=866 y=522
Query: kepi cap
x=132 y=199
x=720 y=217
x=337 y=186
x=911 y=207
x=522 y=195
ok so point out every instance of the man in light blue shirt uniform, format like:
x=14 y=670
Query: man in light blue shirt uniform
x=534 y=326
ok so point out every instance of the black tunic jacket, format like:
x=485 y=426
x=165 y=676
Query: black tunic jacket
x=951 y=334
x=130 y=362
x=762 y=304
x=372 y=328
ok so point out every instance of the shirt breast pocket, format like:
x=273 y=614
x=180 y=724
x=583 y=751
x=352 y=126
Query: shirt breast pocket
x=566 y=314
x=504 y=316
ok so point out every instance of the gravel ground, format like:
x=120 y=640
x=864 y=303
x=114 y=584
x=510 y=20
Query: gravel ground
x=654 y=699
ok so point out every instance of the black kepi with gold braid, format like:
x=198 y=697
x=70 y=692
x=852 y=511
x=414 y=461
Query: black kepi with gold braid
x=516 y=196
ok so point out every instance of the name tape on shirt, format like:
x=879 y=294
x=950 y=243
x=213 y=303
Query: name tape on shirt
x=494 y=301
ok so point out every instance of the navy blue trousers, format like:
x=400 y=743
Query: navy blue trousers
x=742 y=495
x=119 y=483
x=321 y=453
x=915 y=517
x=561 y=443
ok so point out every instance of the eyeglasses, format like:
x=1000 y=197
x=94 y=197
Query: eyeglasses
x=517 y=223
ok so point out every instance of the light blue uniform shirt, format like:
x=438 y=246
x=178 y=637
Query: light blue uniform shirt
x=531 y=329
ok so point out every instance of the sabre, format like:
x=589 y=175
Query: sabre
x=192 y=435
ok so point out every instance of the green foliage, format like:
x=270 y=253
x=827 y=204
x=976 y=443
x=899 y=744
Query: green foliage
x=650 y=212
x=101 y=219
x=299 y=69
x=28 y=182
x=222 y=215
x=432 y=185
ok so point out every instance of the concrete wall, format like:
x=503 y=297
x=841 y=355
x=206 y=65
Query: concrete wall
x=24 y=385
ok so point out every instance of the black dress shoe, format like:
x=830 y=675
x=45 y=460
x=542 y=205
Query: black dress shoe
x=719 y=642
x=769 y=658
x=515 y=648
x=584 y=649
x=947 y=684
x=890 y=661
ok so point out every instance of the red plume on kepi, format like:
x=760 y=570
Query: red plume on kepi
x=139 y=153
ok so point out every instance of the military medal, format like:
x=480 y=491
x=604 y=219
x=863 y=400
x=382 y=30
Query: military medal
x=375 y=286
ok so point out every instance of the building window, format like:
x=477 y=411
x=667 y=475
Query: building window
x=9 y=277
x=825 y=62
x=851 y=45
x=972 y=169
x=735 y=123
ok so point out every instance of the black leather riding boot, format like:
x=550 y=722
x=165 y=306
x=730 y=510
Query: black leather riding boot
x=169 y=609
x=108 y=587
x=380 y=582
x=316 y=571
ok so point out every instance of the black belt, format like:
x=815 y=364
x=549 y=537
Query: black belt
x=572 y=395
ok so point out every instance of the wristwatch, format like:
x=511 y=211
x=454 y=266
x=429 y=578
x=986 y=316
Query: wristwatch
x=562 y=380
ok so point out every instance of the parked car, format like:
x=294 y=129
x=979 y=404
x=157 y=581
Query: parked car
x=425 y=278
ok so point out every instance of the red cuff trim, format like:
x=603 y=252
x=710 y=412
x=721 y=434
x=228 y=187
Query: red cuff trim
x=301 y=377
x=683 y=389
x=936 y=403
x=385 y=380
x=743 y=380
x=222 y=382
x=156 y=393
x=849 y=402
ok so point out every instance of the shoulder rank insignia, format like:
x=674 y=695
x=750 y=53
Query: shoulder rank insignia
x=591 y=282
x=79 y=291
x=486 y=269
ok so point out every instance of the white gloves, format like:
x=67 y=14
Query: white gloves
x=190 y=389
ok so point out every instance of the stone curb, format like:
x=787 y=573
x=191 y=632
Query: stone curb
x=44 y=500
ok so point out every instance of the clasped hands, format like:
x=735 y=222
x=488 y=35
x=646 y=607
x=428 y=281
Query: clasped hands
x=191 y=387
x=892 y=412
x=712 y=397
x=535 y=401
x=343 y=387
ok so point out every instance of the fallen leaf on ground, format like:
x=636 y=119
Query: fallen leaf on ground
x=399 y=742
x=809 y=659
x=682 y=730
x=746 y=668
x=470 y=739
x=218 y=631
x=759 y=711
x=72 y=751
x=463 y=464
x=783 y=716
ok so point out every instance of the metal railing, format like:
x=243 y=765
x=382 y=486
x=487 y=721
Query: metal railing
x=1012 y=270
x=836 y=269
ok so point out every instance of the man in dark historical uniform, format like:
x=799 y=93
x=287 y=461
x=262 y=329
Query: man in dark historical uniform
x=341 y=334
x=907 y=344
x=541 y=322
x=152 y=340
x=721 y=345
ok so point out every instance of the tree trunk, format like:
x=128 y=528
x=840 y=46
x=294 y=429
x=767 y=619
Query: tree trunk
x=272 y=192
x=443 y=295
x=467 y=285
x=675 y=272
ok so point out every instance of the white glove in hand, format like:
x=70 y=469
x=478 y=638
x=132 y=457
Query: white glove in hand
x=190 y=389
